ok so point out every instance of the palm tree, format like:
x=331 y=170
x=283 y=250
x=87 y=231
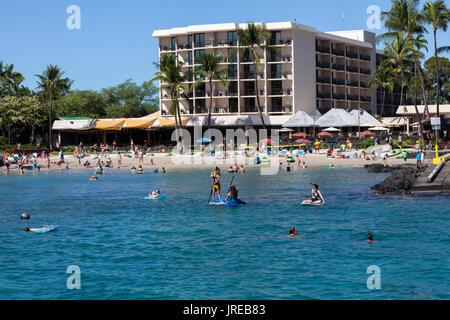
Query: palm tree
x=445 y=49
x=398 y=49
x=210 y=70
x=11 y=79
x=253 y=38
x=437 y=15
x=171 y=78
x=384 y=80
x=405 y=16
x=48 y=81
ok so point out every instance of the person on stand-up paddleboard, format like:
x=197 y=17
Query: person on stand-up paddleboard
x=316 y=196
x=215 y=185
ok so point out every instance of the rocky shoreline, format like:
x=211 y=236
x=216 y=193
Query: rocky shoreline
x=400 y=182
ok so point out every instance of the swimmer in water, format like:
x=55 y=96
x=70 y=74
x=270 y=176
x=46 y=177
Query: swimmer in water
x=93 y=178
x=232 y=196
x=370 y=238
x=292 y=232
x=133 y=170
x=155 y=194
x=331 y=166
x=316 y=196
x=140 y=170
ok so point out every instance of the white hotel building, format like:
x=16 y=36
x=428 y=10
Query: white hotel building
x=304 y=69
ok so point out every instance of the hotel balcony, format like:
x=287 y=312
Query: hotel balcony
x=352 y=69
x=338 y=96
x=323 y=49
x=352 y=83
x=365 y=57
x=366 y=71
x=323 y=79
x=324 y=95
x=339 y=82
x=280 y=42
x=184 y=47
x=364 y=84
x=366 y=98
x=353 y=97
x=252 y=109
x=281 y=92
x=353 y=55
x=338 y=52
x=324 y=65
x=340 y=67
x=281 y=109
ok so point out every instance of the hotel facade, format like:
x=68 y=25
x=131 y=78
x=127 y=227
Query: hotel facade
x=301 y=68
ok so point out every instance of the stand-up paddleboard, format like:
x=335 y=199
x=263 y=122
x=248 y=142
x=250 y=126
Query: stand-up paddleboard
x=161 y=197
x=312 y=204
x=48 y=229
x=224 y=203
x=217 y=202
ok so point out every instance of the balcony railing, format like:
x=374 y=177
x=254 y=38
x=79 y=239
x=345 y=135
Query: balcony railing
x=338 y=66
x=352 y=69
x=323 y=64
x=338 y=96
x=286 y=59
x=281 y=108
x=323 y=79
x=278 y=42
x=364 y=57
x=201 y=110
x=252 y=109
x=275 y=75
x=340 y=82
x=323 y=49
x=338 y=52
x=324 y=95
x=184 y=46
x=281 y=92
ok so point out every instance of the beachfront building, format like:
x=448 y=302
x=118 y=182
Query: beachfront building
x=301 y=69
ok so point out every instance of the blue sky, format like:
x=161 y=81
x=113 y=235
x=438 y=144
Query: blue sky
x=115 y=41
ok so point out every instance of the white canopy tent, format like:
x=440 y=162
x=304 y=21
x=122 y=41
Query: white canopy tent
x=337 y=118
x=300 y=120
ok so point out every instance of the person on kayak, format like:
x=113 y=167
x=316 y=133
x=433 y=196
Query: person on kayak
x=215 y=185
x=232 y=196
x=316 y=196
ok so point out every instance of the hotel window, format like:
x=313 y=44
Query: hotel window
x=190 y=75
x=275 y=71
x=232 y=55
x=200 y=106
x=277 y=88
x=232 y=39
x=275 y=54
x=276 y=37
x=190 y=58
x=197 y=54
x=190 y=41
x=248 y=56
x=232 y=88
x=173 y=42
x=232 y=71
x=233 y=103
x=199 y=39
x=249 y=71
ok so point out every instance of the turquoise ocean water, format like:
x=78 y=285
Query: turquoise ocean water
x=181 y=248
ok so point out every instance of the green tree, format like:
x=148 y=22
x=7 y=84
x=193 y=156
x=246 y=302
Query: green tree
x=172 y=78
x=81 y=103
x=437 y=15
x=32 y=114
x=398 y=49
x=130 y=100
x=10 y=79
x=209 y=70
x=252 y=39
x=444 y=78
x=384 y=79
x=404 y=16
x=50 y=82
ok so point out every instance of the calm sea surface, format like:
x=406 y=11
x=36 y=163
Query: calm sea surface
x=181 y=248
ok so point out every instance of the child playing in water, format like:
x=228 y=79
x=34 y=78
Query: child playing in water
x=155 y=194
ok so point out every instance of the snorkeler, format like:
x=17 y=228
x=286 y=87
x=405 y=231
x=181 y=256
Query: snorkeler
x=370 y=238
x=292 y=232
x=316 y=196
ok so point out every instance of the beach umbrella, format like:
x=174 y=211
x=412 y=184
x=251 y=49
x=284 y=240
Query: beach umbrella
x=299 y=135
x=204 y=140
x=332 y=130
x=267 y=141
x=325 y=134
x=378 y=129
x=367 y=133
x=303 y=141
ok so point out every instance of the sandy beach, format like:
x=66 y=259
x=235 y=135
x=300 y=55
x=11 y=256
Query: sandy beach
x=193 y=162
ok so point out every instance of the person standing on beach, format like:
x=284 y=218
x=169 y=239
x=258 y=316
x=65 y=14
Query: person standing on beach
x=132 y=144
x=47 y=162
x=119 y=161
x=7 y=164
